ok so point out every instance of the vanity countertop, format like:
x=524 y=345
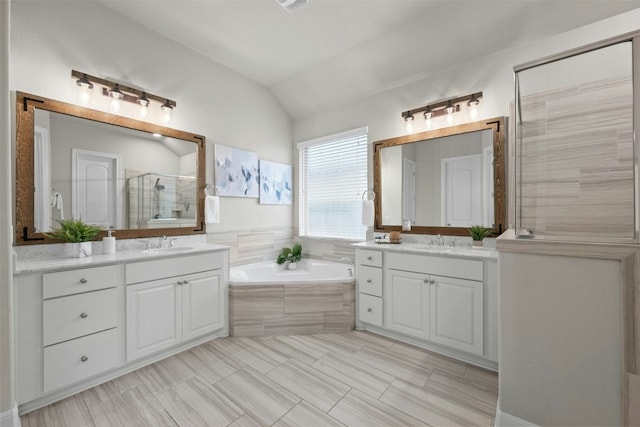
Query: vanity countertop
x=425 y=249
x=33 y=265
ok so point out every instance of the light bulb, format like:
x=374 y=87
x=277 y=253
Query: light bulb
x=409 y=123
x=449 y=111
x=85 y=89
x=427 y=119
x=143 y=101
x=473 y=108
x=115 y=105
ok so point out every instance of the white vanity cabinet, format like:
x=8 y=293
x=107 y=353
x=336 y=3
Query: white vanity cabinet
x=440 y=302
x=369 y=282
x=79 y=325
x=167 y=311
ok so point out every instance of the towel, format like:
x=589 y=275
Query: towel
x=368 y=213
x=212 y=209
x=56 y=202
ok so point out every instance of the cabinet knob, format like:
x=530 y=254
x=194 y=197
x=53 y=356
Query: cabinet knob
x=368 y=280
x=369 y=309
x=425 y=280
x=180 y=282
x=432 y=281
x=369 y=258
x=84 y=358
x=83 y=315
x=186 y=282
x=83 y=280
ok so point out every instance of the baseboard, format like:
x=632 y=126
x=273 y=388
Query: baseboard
x=10 y=418
x=504 y=419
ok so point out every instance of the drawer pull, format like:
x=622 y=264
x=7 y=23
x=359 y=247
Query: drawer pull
x=83 y=280
x=83 y=315
x=368 y=280
x=369 y=258
x=369 y=309
x=84 y=358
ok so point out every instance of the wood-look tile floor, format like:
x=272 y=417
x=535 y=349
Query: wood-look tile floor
x=348 y=379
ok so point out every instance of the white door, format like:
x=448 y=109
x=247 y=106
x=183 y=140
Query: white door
x=456 y=314
x=202 y=304
x=462 y=191
x=406 y=302
x=409 y=190
x=95 y=187
x=154 y=317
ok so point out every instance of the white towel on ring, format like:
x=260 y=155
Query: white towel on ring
x=368 y=213
x=212 y=209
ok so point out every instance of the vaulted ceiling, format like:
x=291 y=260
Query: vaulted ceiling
x=334 y=51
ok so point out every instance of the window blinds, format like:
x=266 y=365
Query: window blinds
x=333 y=176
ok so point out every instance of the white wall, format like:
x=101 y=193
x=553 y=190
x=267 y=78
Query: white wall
x=50 y=38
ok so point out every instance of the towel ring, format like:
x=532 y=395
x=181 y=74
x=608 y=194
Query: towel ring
x=366 y=194
x=211 y=187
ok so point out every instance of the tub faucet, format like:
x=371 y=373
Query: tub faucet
x=160 y=239
x=350 y=269
x=440 y=240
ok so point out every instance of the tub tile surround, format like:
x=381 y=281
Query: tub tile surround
x=291 y=309
x=353 y=378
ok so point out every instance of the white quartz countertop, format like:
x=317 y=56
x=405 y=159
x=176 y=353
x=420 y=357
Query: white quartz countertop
x=425 y=249
x=32 y=265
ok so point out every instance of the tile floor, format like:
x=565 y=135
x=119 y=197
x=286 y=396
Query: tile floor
x=352 y=379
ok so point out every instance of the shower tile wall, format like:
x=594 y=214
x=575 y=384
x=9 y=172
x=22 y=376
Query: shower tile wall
x=577 y=161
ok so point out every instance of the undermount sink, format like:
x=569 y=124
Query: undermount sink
x=169 y=250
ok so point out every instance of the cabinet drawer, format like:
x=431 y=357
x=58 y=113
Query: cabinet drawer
x=367 y=257
x=77 y=315
x=171 y=267
x=442 y=266
x=370 y=309
x=369 y=280
x=76 y=281
x=81 y=358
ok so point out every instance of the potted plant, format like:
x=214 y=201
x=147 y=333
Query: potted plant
x=478 y=233
x=78 y=236
x=291 y=255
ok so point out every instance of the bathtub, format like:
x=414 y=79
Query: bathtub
x=267 y=299
x=308 y=271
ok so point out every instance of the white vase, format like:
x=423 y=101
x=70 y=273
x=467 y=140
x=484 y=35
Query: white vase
x=77 y=250
x=292 y=266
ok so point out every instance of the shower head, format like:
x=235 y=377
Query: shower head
x=158 y=186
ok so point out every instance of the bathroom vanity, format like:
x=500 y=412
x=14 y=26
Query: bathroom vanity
x=83 y=321
x=439 y=298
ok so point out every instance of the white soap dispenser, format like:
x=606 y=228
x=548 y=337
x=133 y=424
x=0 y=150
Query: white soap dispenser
x=109 y=244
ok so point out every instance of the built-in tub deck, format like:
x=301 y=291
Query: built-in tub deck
x=266 y=299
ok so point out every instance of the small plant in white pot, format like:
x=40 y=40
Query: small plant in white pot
x=78 y=236
x=478 y=233
x=291 y=255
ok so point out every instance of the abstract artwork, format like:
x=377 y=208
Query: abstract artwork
x=236 y=172
x=275 y=183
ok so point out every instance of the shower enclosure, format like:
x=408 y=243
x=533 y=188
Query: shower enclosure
x=161 y=200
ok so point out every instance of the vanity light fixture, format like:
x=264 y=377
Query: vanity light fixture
x=446 y=107
x=119 y=93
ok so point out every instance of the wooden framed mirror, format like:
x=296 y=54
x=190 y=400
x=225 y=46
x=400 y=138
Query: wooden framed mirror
x=135 y=178
x=443 y=181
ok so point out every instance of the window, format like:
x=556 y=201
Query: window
x=333 y=176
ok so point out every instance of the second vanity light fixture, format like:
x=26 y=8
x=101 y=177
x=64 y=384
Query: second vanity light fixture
x=119 y=93
x=441 y=108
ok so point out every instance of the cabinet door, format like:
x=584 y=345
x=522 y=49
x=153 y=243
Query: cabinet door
x=202 y=304
x=456 y=314
x=406 y=302
x=154 y=317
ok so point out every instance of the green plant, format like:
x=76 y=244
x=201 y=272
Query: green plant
x=478 y=232
x=74 y=231
x=293 y=254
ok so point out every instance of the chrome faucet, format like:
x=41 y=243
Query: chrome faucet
x=440 y=240
x=350 y=269
x=160 y=239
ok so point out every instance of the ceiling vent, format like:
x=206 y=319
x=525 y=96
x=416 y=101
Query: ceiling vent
x=292 y=5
